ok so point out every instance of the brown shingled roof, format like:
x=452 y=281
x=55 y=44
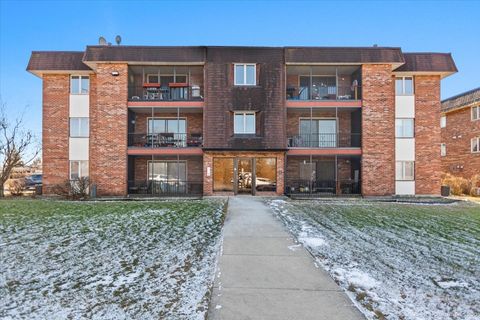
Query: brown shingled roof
x=343 y=55
x=461 y=100
x=56 y=61
x=428 y=62
x=144 y=54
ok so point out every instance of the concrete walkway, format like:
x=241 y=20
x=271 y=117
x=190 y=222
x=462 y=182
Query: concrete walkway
x=260 y=277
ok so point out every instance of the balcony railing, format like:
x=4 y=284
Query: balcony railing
x=314 y=93
x=316 y=188
x=169 y=92
x=165 y=188
x=164 y=140
x=325 y=140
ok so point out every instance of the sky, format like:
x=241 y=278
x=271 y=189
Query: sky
x=434 y=26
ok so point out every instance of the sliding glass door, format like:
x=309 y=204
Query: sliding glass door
x=168 y=131
x=318 y=133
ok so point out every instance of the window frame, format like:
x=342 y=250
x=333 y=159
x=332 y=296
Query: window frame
x=80 y=127
x=403 y=175
x=477 y=139
x=443 y=121
x=245 y=74
x=403 y=136
x=403 y=86
x=477 y=113
x=244 y=114
x=443 y=149
x=80 y=92
x=80 y=171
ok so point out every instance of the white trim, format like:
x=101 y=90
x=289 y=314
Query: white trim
x=244 y=113
x=443 y=121
x=245 y=74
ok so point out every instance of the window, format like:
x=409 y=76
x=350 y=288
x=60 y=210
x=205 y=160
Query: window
x=319 y=133
x=405 y=170
x=79 y=127
x=443 y=121
x=79 y=84
x=245 y=75
x=244 y=123
x=475 y=145
x=266 y=174
x=443 y=149
x=223 y=174
x=476 y=113
x=404 y=128
x=404 y=86
x=153 y=78
x=167 y=125
x=78 y=169
x=167 y=171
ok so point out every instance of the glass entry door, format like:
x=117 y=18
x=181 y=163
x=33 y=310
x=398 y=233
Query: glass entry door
x=244 y=175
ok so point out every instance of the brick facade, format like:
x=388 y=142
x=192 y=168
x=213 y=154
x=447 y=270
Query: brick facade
x=108 y=130
x=427 y=135
x=56 y=93
x=378 y=131
x=457 y=135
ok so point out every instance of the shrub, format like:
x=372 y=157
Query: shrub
x=77 y=189
x=461 y=186
x=475 y=185
x=16 y=187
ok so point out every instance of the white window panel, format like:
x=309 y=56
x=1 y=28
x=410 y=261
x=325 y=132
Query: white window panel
x=404 y=86
x=404 y=128
x=443 y=149
x=245 y=74
x=475 y=145
x=78 y=169
x=443 y=121
x=244 y=123
x=79 y=127
x=79 y=84
x=405 y=170
x=476 y=113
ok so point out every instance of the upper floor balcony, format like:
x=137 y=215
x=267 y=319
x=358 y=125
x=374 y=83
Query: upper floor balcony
x=323 y=83
x=165 y=83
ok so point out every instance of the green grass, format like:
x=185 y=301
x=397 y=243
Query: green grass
x=124 y=259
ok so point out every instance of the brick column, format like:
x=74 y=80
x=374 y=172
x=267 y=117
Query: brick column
x=108 y=130
x=207 y=180
x=427 y=135
x=56 y=93
x=378 y=131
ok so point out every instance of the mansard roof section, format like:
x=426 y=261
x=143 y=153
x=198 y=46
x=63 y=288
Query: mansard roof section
x=144 y=54
x=428 y=63
x=343 y=55
x=462 y=100
x=56 y=62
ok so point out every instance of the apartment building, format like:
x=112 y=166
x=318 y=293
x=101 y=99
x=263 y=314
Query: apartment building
x=460 y=127
x=304 y=121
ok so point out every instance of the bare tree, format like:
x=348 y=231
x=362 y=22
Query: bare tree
x=18 y=146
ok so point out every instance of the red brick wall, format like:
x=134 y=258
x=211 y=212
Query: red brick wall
x=378 y=131
x=460 y=129
x=208 y=162
x=108 y=128
x=427 y=135
x=56 y=94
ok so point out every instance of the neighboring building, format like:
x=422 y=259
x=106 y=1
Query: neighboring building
x=460 y=124
x=257 y=120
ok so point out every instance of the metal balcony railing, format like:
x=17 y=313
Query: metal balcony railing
x=315 y=188
x=164 y=140
x=316 y=93
x=325 y=140
x=169 y=92
x=165 y=188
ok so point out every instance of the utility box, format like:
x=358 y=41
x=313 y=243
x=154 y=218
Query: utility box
x=93 y=191
x=445 y=191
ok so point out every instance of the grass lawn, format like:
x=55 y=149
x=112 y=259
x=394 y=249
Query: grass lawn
x=396 y=261
x=109 y=260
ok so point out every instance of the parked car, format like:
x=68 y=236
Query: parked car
x=33 y=180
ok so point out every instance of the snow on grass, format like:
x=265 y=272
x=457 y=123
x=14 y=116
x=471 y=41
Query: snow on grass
x=116 y=260
x=395 y=261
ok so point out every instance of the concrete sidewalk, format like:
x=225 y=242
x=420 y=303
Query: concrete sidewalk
x=263 y=274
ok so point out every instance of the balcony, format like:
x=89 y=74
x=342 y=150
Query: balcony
x=323 y=83
x=325 y=140
x=165 y=83
x=165 y=140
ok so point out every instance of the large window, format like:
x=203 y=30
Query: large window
x=476 y=113
x=166 y=125
x=404 y=86
x=244 y=123
x=266 y=174
x=78 y=169
x=222 y=174
x=475 y=142
x=167 y=171
x=79 y=84
x=245 y=74
x=405 y=170
x=79 y=127
x=404 y=128
x=319 y=133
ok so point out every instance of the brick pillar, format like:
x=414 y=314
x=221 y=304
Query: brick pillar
x=56 y=94
x=108 y=130
x=207 y=180
x=378 y=131
x=427 y=135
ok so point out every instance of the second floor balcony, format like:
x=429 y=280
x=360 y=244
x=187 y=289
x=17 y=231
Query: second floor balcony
x=323 y=83
x=165 y=83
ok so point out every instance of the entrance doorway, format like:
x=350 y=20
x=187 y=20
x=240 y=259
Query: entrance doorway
x=245 y=176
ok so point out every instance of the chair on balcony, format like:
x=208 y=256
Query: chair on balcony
x=195 y=140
